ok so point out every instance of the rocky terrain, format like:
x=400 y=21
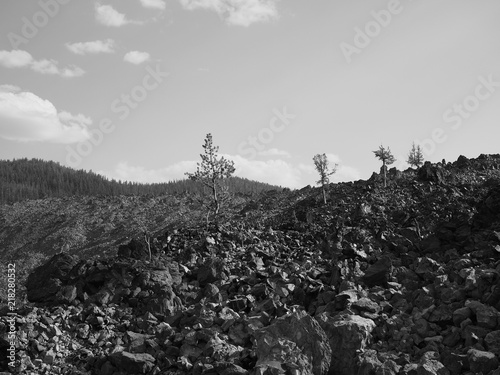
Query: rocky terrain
x=396 y=280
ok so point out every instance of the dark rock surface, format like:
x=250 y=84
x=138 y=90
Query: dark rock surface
x=403 y=280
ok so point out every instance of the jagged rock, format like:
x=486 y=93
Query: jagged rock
x=492 y=341
x=419 y=265
x=488 y=209
x=486 y=316
x=430 y=365
x=473 y=334
x=368 y=363
x=211 y=271
x=45 y=282
x=427 y=268
x=136 y=363
x=378 y=273
x=348 y=335
x=461 y=314
x=482 y=361
x=297 y=334
x=431 y=173
x=134 y=249
x=455 y=363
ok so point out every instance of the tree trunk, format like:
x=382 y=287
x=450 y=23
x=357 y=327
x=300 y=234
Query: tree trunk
x=385 y=173
x=216 y=202
x=324 y=194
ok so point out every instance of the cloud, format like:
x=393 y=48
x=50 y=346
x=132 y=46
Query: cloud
x=126 y=172
x=25 y=117
x=97 y=46
x=23 y=59
x=154 y=4
x=344 y=173
x=9 y=88
x=15 y=59
x=273 y=171
x=136 y=57
x=237 y=12
x=109 y=16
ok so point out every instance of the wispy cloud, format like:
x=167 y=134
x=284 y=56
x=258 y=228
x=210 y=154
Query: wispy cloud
x=154 y=4
x=23 y=59
x=26 y=117
x=126 y=172
x=97 y=46
x=237 y=12
x=109 y=16
x=136 y=57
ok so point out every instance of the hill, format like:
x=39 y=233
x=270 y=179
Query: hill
x=396 y=280
x=37 y=179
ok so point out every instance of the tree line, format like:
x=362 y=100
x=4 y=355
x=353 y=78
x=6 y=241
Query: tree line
x=22 y=179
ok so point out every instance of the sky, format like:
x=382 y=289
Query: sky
x=131 y=88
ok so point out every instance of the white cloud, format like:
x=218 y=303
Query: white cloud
x=23 y=59
x=9 y=88
x=15 y=59
x=136 y=57
x=109 y=16
x=97 y=46
x=45 y=66
x=344 y=173
x=274 y=171
x=72 y=71
x=237 y=12
x=126 y=172
x=155 y=4
x=26 y=117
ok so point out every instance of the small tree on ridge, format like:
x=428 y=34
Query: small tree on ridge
x=211 y=171
x=321 y=164
x=387 y=159
x=416 y=156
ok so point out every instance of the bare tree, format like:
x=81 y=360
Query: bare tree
x=211 y=171
x=321 y=164
x=387 y=159
x=416 y=156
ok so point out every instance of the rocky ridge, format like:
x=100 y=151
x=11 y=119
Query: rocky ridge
x=403 y=280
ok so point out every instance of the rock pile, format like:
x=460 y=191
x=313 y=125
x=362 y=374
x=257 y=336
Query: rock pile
x=398 y=281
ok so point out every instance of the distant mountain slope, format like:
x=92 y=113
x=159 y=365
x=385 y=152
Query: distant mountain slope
x=36 y=179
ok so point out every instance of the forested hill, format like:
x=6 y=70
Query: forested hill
x=35 y=179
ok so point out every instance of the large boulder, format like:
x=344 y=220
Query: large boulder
x=378 y=273
x=294 y=341
x=348 y=336
x=431 y=173
x=481 y=361
x=134 y=249
x=210 y=272
x=132 y=363
x=488 y=210
x=46 y=283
